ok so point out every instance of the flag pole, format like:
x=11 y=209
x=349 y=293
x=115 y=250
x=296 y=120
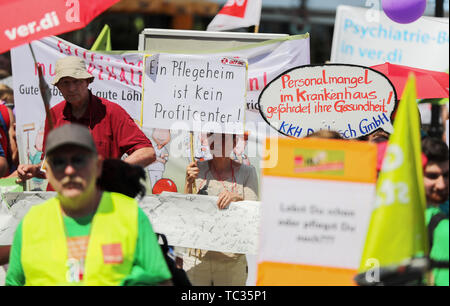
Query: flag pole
x=43 y=89
x=194 y=187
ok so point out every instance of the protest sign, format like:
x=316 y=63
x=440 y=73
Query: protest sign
x=368 y=37
x=192 y=221
x=308 y=236
x=194 y=92
x=353 y=100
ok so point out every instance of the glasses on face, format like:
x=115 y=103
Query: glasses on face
x=78 y=161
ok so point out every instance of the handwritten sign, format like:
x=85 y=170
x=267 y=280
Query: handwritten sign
x=353 y=100
x=191 y=221
x=194 y=92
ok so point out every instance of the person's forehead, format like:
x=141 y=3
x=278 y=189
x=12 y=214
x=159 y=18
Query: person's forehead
x=69 y=79
x=440 y=167
x=69 y=150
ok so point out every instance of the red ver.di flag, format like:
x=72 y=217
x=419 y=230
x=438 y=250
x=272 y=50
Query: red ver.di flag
x=26 y=20
x=237 y=14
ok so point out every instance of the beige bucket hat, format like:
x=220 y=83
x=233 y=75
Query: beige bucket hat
x=71 y=66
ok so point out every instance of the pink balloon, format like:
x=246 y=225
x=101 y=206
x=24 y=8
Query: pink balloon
x=404 y=11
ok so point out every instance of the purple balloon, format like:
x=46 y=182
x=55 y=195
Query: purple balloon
x=404 y=11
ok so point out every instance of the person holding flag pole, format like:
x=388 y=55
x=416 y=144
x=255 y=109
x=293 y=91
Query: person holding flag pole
x=397 y=231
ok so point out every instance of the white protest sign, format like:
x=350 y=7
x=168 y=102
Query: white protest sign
x=192 y=221
x=353 y=100
x=364 y=38
x=313 y=231
x=194 y=93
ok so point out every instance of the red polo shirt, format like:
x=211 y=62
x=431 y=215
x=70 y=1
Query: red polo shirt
x=113 y=130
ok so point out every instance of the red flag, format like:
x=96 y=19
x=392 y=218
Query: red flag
x=26 y=20
x=237 y=14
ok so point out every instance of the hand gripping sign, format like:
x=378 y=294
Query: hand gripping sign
x=352 y=100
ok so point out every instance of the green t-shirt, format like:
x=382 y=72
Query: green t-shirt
x=149 y=266
x=440 y=249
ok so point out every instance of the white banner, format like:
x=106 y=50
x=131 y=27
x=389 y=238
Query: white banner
x=118 y=79
x=191 y=221
x=194 y=92
x=368 y=37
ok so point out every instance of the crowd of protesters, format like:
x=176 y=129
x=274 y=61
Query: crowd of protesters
x=90 y=135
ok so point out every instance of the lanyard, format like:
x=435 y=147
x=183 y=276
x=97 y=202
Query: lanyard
x=220 y=179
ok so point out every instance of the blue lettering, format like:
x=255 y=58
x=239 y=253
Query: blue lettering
x=297 y=132
x=289 y=132
x=363 y=128
x=348 y=24
x=283 y=125
x=310 y=131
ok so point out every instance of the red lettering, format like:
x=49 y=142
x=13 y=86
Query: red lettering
x=100 y=72
x=59 y=46
x=91 y=68
x=254 y=81
x=122 y=76
x=50 y=71
x=366 y=79
x=132 y=77
x=68 y=51
x=111 y=73
x=285 y=78
x=38 y=66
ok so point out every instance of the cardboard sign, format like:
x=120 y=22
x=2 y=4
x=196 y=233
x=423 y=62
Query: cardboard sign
x=195 y=93
x=352 y=100
x=368 y=37
x=192 y=221
x=313 y=232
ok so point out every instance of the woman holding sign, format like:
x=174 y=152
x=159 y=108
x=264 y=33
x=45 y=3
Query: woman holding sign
x=231 y=182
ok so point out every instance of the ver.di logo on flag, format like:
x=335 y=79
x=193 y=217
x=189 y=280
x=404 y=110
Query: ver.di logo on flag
x=235 y=8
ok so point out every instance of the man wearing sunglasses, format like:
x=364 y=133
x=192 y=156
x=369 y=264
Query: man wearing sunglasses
x=114 y=131
x=84 y=235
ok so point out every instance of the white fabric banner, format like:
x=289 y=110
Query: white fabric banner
x=237 y=14
x=191 y=221
x=368 y=37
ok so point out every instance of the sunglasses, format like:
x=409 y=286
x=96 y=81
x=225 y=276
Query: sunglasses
x=59 y=163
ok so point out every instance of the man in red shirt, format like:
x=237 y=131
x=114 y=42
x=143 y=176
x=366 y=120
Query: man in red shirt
x=114 y=131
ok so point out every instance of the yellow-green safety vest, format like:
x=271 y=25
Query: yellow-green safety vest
x=111 y=247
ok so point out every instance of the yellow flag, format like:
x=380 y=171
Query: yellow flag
x=397 y=229
x=103 y=41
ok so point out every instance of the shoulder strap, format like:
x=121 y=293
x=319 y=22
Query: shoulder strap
x=434 y=222
x=5 y=114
